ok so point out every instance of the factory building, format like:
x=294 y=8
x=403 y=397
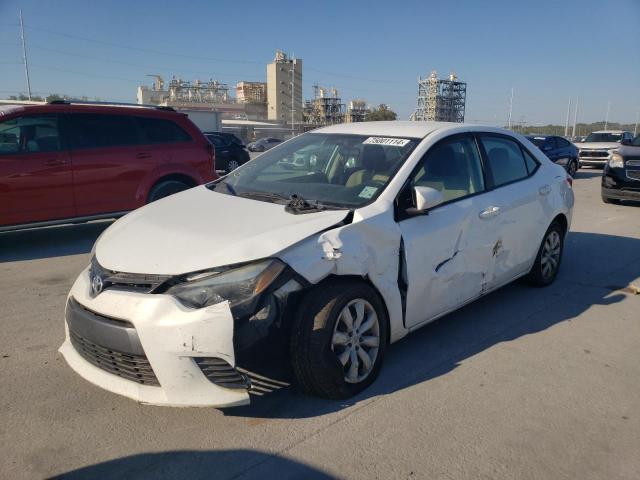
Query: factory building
x=325 y=108
x=357 y=111
x=284 y=89
x=440 y=100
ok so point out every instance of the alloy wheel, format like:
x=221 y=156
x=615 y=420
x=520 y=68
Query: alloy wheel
x=232 y=165
x=550 y=259
x=356 y=339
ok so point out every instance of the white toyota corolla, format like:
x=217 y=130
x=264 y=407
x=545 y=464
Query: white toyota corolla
x=324 y=249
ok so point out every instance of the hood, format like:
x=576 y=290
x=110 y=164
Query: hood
x=597 y=145
x=199 y=229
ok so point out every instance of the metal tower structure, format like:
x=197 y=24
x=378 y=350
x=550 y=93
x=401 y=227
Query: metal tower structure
x=440 y=100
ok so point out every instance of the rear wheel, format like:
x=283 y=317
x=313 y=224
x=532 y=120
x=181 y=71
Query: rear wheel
x=338 y=340
x=547 y=264
x=164 y=189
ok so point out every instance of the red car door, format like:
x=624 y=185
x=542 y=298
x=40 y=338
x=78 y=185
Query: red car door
x=108 y=162
x=36 y=183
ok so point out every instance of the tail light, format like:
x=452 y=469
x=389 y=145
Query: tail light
x=212 y=156
x=570 y=180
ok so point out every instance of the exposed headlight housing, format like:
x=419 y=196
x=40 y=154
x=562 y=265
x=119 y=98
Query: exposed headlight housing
x=616 y=161
x=239 y=286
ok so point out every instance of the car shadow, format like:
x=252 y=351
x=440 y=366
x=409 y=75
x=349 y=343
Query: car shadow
x=192 y=464
x=57 y=241
x=502 y=316
x=587 y=173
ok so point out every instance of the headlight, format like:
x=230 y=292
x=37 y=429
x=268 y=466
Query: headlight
x=616 y=161
x=238 y=285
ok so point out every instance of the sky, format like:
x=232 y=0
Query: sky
x=546 y=51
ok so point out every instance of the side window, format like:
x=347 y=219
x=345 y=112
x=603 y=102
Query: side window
x=452 y=167
x=215 y=140
x=531 y=162
x=506 y=162
x=102 y=131
x=562 y=143
x=29 y=134
x=549 y=144
x=159 y=130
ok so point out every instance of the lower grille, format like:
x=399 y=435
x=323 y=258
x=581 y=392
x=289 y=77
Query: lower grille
x=633 y=174
x=593 y=154
x=132 y=367
x=218 y=371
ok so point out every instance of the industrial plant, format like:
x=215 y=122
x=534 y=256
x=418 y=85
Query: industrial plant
x=276 y=104
x=440 y=100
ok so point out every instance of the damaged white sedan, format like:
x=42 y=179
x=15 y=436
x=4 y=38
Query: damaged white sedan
x=324 y=250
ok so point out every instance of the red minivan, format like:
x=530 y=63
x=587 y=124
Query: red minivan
x=65 y=162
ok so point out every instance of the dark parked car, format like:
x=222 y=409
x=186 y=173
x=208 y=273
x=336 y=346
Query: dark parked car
x=72 y=162
x=621 y=174
x=263 y=144
x=230 y=151
x=558 y=150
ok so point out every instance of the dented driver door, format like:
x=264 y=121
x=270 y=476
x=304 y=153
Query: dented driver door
x=447 y=250
x=448 y=258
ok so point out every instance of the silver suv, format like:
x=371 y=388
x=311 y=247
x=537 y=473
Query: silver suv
x=596 y=149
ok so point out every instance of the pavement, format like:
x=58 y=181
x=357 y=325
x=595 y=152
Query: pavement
x=525 y=383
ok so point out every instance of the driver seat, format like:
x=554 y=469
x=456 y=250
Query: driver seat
x=375 y=168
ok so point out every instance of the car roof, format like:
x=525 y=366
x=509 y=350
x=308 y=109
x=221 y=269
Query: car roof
x=395 y=128
x=142 y=110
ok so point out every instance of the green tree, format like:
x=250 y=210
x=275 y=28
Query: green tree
x=381 y=112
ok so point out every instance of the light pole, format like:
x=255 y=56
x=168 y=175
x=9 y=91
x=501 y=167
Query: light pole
x=24 y=53
x=575 y=118
x=510 y=108
x=606 y=120
x=566 y=123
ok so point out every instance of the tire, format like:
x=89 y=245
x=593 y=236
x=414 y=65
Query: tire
x=613 y=201
x=232 y=165
x=164 y=189
x=551 y=248
x=572 y=168
x=319 y=339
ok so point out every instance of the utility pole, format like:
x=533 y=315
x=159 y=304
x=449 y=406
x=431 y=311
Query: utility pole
x=293 y=81
x=24 y=53
x=575 y=118
x=635 y=130
x=606 y=120
x=510 y=108
x=566 y=124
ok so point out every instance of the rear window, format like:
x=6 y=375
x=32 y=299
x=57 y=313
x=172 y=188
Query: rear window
x=100 y=131
x=506 y=161
x=159 y=130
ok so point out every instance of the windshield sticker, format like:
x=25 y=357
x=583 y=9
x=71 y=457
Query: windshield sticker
x=395 y=142
x=368 y=192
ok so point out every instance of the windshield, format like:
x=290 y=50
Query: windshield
x=343 y=171
x=604 y=137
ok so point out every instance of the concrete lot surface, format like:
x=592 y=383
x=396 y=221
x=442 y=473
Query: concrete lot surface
x=524 y=384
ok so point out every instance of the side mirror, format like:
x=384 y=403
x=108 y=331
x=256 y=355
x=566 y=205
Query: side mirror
x=626 y=141
x=427 y=198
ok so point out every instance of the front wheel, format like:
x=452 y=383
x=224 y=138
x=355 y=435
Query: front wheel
x=572 y=168
x=547 y=264
x=232 y=165
x=338 y=339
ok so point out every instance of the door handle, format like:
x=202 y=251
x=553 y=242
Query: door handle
x=143 y=155
x=544 y=190
x=52 y=162
x=489 y=212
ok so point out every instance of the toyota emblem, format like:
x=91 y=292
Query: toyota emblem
x=96 y=284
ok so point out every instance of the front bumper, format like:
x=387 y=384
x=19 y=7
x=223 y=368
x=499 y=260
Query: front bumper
x=172 y=338
x=617 y=183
